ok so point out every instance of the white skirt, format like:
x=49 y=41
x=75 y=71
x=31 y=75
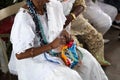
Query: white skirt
x=30 y=69
x=47 y=71
x=90 y=69
x=40 y=69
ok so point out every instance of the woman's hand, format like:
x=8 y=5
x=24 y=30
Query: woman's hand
x=67 y=36
x=58 y=42
x=63 y=39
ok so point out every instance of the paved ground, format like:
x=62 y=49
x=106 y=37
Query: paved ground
x=112 y=54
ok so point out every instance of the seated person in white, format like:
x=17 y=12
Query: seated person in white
x=100 y=15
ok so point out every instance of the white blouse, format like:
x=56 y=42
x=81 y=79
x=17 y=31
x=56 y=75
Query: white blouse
x=23 y=34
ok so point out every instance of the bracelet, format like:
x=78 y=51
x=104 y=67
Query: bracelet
x=31 y=53
x=73 y=15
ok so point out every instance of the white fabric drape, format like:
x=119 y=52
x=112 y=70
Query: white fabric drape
x=97 y=17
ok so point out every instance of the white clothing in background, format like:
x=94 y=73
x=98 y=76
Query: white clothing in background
x=108 y=9
x=100 y=15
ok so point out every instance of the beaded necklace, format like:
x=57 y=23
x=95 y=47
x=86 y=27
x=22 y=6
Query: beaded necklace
x=39 y=28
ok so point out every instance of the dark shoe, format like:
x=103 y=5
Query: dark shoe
x=116 y=25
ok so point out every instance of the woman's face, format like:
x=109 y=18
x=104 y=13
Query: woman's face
x=39 y=3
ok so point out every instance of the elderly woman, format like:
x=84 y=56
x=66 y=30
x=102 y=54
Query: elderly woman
x=37 y=34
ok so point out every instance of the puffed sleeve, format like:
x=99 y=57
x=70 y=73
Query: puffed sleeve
x=22 y=33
